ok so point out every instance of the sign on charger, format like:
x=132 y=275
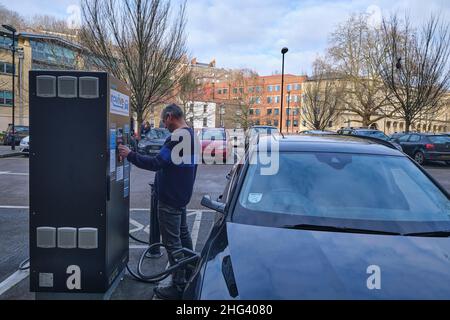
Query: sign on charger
x=120 y=103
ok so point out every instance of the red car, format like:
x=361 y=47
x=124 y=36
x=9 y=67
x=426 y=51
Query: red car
x=214 y=145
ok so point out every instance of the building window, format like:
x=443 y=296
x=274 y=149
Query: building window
x=269 y=99
x=205 y=108
x=277 y=112
x=205 y=122
x=235 y=90
x=258 y=112
x=288 y=111
x=6 y=98
x=220 y=91
x=295 y=123
x=289 y=87
x=330 y=124
x=269 y=122
x=53 y=53
x=277 y=99
x=251 y=89
x=6 y=67
x=5 y=42
x=269 y=88
x=257 y=122
x=304 y=123
x=251 y=112
x=258 y=89
x=241 y=90
x=277 y=88
x=297 y=86
x=296 y=111
x=258 y=100
x=269 y=112
x=225 y=91
x=276 y=123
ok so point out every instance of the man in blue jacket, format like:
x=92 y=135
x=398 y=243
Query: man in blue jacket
x=174 y=181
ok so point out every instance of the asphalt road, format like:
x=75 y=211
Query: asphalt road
x=14 y=221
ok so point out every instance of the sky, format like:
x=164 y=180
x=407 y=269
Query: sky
x=251 y=33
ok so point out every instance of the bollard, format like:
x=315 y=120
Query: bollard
x=155 y=234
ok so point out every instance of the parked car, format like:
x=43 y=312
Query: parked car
x=25 y=145
x=424 y=147
x=153 y=141
x=19 y=133
x=371 y=133
x=256 y=131
x=297 y=234
x=214 y=144
x=317 y=132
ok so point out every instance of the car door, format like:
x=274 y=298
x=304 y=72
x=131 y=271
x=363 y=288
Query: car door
x=403 y=141
x=415 y=144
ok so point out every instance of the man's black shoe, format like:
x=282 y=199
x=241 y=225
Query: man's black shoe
x=169 y=293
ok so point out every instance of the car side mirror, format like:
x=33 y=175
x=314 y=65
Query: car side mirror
x=213 y=205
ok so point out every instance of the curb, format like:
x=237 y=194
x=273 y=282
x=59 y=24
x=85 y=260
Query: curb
x=10 y=155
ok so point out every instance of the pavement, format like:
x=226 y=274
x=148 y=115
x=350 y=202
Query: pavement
x=6 y=152
x=14 y=200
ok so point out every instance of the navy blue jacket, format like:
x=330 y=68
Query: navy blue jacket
x=174 y=182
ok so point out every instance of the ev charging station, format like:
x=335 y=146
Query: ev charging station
x=79 y=186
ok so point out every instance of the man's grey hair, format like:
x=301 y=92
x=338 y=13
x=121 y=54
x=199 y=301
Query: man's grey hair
x=173 y=110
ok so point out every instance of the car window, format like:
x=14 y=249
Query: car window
x=439 y=139
x=213 y=134
x=377 y=188
x=404 y=138
x=414 y=138
x=158 y=134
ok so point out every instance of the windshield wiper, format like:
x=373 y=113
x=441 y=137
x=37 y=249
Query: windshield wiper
x=437 y=234
x=312 y=227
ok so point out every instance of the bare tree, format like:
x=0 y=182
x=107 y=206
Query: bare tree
x=322 y=98
x=11 y=17
x=352 y=50
x=191 y=91
x=415 y=66
x=245 y=93
x=138 y=42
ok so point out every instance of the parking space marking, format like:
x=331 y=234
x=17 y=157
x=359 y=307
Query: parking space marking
x=12 y=280
x=9 y=173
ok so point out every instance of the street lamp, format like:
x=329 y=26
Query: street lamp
x=13 y=48
x=289 y=110
x=283 y=52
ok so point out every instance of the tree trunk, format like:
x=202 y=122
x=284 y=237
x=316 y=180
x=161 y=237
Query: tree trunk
x=407 y=125
x=366 y=121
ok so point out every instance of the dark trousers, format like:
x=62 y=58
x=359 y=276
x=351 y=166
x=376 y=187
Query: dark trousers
x=175 y=235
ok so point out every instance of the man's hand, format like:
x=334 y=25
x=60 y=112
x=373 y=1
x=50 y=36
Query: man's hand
x=124 y=151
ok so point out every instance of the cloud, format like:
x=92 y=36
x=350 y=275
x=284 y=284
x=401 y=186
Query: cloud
x=251 y=33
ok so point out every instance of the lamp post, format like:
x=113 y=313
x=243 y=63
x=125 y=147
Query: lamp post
x=289 y=110
x=13 y=48
x=283 y=52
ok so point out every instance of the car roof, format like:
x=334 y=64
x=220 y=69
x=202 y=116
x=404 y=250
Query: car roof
x=332 y=143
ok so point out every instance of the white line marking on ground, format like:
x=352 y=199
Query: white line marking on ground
x=13 y=207
x=12 y=280
x=138 y=226
x=9 y=173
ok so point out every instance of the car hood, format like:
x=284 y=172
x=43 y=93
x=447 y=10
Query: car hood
x=274 y=263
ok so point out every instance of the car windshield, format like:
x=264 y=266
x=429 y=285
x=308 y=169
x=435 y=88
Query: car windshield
x=213 y=135
x=20 y=129
x=373 y=134
x=439 y=139
x=265 y=130
x=344 y=186
x=158 y=134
